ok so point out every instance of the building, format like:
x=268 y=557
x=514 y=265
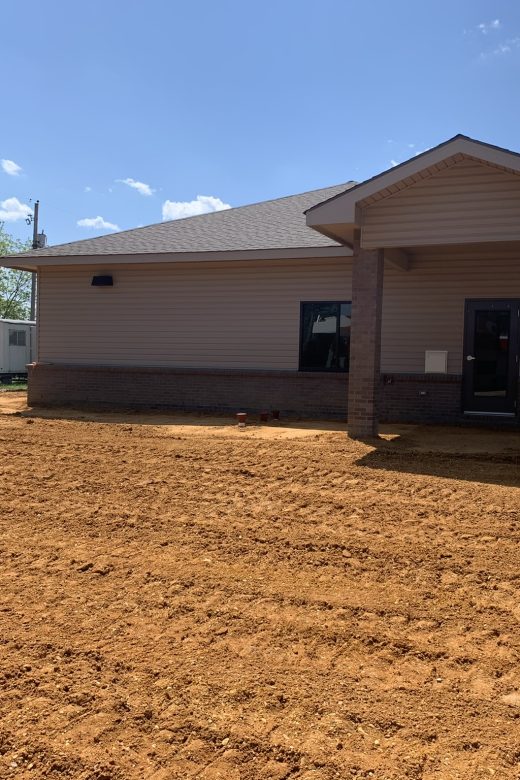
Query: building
x=17 y=348
x=394 y=299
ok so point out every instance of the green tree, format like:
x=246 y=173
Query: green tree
x=15 y=286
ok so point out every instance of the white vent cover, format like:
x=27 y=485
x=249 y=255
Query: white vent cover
x=436 y=361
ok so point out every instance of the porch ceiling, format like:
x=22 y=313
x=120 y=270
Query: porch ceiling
x=406 y=259
x=483 y=250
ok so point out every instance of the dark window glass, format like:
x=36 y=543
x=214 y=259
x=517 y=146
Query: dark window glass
x=325 y=336
x=491 y=368
x=17 y=338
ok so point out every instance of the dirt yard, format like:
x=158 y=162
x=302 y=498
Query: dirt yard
x=190 y=601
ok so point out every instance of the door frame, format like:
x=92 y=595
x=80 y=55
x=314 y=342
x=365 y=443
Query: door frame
x=491 y=406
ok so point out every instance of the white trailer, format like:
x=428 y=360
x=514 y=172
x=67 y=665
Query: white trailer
x=17 y=348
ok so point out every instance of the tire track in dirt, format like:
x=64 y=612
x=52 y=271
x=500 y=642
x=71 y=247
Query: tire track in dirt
x=252 y=611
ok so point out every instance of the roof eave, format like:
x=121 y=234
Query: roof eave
x=33 y=262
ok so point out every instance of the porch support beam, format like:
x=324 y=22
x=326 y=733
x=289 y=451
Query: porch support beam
x=365 y=342
x=398 y=258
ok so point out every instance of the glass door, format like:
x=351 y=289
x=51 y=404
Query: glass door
x=490 y=372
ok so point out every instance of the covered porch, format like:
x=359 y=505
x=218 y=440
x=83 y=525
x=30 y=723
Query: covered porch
x=435 y=287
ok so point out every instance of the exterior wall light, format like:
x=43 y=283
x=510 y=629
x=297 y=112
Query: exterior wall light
x=102 y=281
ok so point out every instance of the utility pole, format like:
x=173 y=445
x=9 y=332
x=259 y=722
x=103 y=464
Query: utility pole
x=34 y=246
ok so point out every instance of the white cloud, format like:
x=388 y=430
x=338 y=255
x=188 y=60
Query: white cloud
x=140 y=186
x=11 y=210
x=87 y=189
x=486 y=27
x=10 y=167
x=393 y=163
x=97 y=223
x=506 y=47
x=203 y=204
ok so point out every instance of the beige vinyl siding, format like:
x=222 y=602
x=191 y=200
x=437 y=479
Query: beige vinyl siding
x=468 y=202
x=211 y=315
x=423 y=308
x=247 y=315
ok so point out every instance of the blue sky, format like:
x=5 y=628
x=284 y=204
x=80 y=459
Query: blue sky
x=130 y=111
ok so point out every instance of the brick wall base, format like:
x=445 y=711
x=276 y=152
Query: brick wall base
x=304 y=394
x=432 y=398
x=428 y=398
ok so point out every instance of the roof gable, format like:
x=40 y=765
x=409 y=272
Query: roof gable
x=456 y=160
x=465 y=201
x=341 y=209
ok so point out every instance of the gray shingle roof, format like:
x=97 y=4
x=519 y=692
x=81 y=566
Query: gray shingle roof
x=271 y=224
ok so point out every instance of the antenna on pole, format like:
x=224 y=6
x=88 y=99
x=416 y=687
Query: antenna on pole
x=34 y=246
x=35 y=224
x=39 y=242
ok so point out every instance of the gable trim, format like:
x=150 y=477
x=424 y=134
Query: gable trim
x=326 y=213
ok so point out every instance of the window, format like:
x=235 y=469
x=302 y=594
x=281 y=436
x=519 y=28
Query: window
x=325 y=336
x=17 y=338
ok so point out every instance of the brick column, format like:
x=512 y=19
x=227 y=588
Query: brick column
x=365 y=342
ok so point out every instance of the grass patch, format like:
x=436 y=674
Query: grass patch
x=14 y=387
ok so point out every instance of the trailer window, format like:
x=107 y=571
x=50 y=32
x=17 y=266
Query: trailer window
x=17 y=338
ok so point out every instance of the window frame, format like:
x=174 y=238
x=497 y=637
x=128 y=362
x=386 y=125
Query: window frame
x=339 y=304
x=17 y=333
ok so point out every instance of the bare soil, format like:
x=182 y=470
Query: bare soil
x=179 y=599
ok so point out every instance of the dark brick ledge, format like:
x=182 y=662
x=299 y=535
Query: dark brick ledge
x=414 y=398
